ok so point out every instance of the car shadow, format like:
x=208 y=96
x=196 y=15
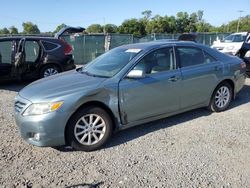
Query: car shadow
x=243 y=97
x=13 y=85
x=132 y=133
x=86 y=185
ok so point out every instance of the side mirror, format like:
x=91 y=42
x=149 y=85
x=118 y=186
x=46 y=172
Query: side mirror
x=136 y=74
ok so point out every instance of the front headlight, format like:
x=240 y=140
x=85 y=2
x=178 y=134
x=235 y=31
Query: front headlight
x=42 y=108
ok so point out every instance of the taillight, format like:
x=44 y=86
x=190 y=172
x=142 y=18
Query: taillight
x=243 y=65
x=68 y=50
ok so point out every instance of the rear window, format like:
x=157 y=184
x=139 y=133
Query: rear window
x=49 y=45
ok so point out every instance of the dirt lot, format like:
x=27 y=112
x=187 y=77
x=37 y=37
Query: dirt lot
x=194 y=149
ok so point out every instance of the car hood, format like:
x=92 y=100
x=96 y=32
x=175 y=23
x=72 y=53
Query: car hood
x=60 y=85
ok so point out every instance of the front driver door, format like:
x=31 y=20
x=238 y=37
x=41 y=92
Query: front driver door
x=155 y=94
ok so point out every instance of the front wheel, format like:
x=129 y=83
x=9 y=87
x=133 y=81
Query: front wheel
x=221 y=98
x=89 y=129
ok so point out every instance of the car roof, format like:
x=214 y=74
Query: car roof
x=147 y=46
x=28 y=37
x=158 y=43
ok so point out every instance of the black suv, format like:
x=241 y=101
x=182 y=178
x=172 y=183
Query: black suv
x=32 y=57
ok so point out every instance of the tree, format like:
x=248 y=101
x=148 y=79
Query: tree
x=172 y=24
x=30 y=28
x=158 y=24
x=133 y=26
x=95 y=28
x=13 y=30
x=182 y=22
x=147 y=14
x=244 y=25
x=59 y=27
x=204 y=27
x=110 y=28
x=4 y=31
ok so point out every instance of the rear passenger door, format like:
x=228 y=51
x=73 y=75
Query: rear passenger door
x=199 y=72
x=28 y=56
x=32 y=52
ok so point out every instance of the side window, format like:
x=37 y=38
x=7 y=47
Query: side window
x=208 y=58
x=49 y=46
x=5 y=52
x=190 y=56
x=157 y=61
x=31 y=51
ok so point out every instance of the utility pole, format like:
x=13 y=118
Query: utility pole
x=238 y=25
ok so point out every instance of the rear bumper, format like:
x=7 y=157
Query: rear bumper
x=69 y=65
x=239 y=83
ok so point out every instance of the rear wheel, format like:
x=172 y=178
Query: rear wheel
x=49 y=70
x=89 y=129
x=221 y=98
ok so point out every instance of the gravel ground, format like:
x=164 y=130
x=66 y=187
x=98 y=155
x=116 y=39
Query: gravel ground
x=193 y=149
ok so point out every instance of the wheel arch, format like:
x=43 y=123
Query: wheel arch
x=49 y=64
x=227 y=81
x=94 y=104
x=230 y=82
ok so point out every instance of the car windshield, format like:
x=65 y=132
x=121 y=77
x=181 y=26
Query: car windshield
x=110 y=63
x=235 y=38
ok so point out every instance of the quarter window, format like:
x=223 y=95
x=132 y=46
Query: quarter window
x=157 y=61
x=49 y=46
x=208 y=58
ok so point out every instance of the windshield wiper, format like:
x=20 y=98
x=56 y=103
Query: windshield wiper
x=87 y=73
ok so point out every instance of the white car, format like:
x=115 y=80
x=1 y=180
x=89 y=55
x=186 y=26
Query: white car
x=232 y=43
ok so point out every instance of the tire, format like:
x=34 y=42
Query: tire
x=221 y=98
x=89 y=129
x=49 y=70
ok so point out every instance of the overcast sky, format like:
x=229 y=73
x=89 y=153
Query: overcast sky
x=48 y=14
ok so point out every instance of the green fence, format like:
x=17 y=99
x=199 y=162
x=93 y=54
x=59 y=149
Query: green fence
x=204 y=38
x=89 y=46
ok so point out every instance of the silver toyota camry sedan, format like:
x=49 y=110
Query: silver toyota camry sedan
x=127 y=86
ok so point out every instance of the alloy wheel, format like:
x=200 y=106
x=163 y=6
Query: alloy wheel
x=50 y=72
x=222 y=97
x=89 y=129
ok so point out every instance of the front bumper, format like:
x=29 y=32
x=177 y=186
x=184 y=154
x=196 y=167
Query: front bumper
x=41 y=130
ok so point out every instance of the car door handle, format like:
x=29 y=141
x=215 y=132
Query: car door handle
x=173 y=79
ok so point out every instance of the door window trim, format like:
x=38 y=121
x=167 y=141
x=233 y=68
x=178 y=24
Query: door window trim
x=175 y=65
x=195 y=47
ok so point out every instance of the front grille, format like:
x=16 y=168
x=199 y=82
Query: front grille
x=19 y=106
